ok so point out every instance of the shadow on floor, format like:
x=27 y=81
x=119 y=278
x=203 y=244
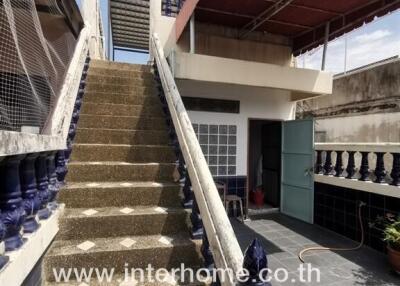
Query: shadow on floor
x=284 y=237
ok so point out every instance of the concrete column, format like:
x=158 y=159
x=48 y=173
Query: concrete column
x=325 y=46
x=192 y=35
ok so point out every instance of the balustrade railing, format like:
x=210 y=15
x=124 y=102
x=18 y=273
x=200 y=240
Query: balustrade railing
x=378 y=163
x=33 y=167
x=210 y=222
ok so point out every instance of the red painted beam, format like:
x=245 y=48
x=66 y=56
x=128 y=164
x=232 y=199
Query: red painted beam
x=183 y=17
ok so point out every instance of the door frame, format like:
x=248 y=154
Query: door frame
x=248 y=156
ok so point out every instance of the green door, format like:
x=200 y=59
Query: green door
x=297 y=191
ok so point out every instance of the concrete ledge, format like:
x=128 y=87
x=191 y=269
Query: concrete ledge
x=302 y=82
x=370 y=187
x=24 y=260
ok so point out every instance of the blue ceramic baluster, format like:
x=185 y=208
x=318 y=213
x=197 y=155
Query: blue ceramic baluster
x=3 y=259
x=52 y=176
x=42 y=185
x=187 y=193
x=197 y=223
x=207 y=254
x=61 y=168
x=13 y=213
x=30 y=195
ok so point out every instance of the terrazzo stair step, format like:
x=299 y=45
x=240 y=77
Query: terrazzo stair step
x=121 y=136
x=138 y=90
x=140 y=78
x=119 y=280
x=124 y=73
x=117 y=252
x=122 y=98
x=93 y=108
x=120 y=194
x=84 y=223
x=100 y=64
x=124 y=153
x=122 y=122
x=119 y=171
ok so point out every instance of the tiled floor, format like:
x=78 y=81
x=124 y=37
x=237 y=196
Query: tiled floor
x=283 y=238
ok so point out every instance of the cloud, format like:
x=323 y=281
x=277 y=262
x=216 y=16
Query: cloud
x=374 y=36
x=362 y=48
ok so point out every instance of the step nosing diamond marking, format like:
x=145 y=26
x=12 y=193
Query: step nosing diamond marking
x=127 y=242
x=90 y=212
x=165 y=240
x=85 y=246
x=126 y=210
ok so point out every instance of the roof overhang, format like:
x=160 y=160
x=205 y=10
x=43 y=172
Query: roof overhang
x=130 y=23
x=69 y=11
x=303 y=21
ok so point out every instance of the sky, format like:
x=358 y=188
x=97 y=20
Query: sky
x=370 y=43
x=128 y=57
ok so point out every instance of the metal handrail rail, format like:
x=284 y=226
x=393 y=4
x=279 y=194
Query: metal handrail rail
x=223 y=242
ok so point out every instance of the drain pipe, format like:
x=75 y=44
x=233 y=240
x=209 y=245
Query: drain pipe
x=360 y=206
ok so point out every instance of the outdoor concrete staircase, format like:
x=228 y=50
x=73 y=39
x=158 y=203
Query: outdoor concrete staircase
x=122 y=206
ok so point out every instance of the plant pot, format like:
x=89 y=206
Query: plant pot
x=394 y=259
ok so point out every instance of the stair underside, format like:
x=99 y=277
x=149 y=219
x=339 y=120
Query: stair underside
x=121 y=200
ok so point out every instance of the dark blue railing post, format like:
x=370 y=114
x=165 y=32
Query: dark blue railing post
x=395 y=173
x=328 y=168
x=197 y=223
x=42 y=181
x=351 y=166
x=319 y=166
x=187 y=193
x=13 y=213
x=206 y=252
x=339 y=164
x=30 y=195
x=168 y=7
x=255 y=262
x=364 y=167
x=61 y=168
x=380 y=171
x=3 y=259
x=52 y=176
x=181 y=169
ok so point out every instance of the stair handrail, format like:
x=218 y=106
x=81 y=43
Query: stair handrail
x=223 y=242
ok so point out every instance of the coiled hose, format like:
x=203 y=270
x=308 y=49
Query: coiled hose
x=319 y=248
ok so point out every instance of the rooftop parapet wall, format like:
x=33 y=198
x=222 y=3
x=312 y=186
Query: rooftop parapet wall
x=370 y=91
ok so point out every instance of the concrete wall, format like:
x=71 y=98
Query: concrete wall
x=380 y=127
x=364 y=106
x=256 y=103
x=162 y=25
x=222 y=41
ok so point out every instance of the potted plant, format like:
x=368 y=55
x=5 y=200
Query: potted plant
x=390 y=225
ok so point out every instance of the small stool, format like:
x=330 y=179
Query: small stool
x=227 y=199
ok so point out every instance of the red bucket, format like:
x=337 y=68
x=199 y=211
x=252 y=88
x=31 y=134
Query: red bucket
x=258 y=197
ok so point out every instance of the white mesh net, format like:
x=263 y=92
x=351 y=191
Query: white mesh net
x=35 y=49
